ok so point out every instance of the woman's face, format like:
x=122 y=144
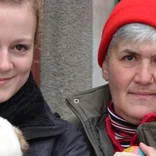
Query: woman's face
x=17 y=32
x=131 y=72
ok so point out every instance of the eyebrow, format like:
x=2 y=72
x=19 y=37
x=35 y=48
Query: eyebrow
x=23 y=40
x=130 y=51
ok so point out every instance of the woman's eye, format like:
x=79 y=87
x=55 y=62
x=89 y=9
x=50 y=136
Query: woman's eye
x=154 y=60
x=21 y=47
x=129 y=58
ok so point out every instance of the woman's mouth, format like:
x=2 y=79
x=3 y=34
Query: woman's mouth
x=4 y=80
x=143 y=95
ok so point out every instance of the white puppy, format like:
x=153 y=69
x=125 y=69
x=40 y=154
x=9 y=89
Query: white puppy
x=12 y=142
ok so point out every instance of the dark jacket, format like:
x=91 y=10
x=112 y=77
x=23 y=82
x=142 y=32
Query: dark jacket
x=62 y=139
x=46 y=133
x=91 y=109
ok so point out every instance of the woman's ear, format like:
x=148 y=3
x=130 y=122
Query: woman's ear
x=105 y=70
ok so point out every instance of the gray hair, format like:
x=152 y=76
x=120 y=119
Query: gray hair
x=135 y=33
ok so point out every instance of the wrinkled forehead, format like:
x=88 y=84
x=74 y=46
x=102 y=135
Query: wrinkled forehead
x=142 y=48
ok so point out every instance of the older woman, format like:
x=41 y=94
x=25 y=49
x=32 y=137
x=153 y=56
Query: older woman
x=123 y=112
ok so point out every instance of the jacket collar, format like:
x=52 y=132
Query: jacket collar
x=93 y=102
x=28 y=111
x=91 y=108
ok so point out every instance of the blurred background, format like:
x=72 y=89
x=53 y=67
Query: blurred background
x=68 y=56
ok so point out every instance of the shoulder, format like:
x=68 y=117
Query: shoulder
x=69 y=142
x=72 y=142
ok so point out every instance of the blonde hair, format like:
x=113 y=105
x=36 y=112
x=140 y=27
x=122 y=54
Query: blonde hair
x=37 y=8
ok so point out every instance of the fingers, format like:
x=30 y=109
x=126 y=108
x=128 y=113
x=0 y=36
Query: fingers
x=148 y=150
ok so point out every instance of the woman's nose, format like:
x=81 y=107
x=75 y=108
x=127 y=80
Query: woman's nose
x=5 y=61
x=144 y=74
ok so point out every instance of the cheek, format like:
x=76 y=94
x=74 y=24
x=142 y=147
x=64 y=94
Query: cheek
x=120 y=75
x=116 y=75
x=23 y=64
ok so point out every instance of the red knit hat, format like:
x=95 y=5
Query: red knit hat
x=125 y=12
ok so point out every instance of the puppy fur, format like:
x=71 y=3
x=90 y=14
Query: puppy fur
x=12 y=142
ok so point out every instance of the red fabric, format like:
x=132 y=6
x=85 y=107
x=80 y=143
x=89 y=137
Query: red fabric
x=149 y=118
x=125 y=12
x=117 y=147
x=111 y=134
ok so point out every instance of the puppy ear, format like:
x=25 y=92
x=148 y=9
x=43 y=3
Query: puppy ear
x=23 y=143
x=105 y=70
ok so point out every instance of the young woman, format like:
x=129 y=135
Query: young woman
x=21 y=101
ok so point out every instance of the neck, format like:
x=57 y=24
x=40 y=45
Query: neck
x=124 y=131
x=26 y=100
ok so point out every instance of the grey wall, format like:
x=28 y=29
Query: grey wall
x=101 y=11
x=67 y=51
x=72 y=33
